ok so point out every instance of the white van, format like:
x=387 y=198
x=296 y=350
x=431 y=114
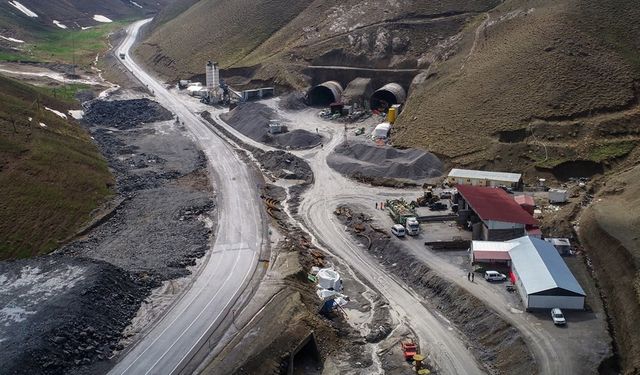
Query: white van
x=398 y=230
x=494 y=276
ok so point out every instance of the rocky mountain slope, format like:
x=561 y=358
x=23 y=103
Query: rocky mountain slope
x=275 y=40
x=51 y=174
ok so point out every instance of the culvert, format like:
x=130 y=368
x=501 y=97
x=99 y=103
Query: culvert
x=388 y=95
x=325 y=94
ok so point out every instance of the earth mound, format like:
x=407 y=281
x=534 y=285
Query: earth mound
x=384 y=161
x=126 y=114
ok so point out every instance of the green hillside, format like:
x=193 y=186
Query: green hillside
x=51 y=178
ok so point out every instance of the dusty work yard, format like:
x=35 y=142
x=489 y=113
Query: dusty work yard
x=585 y=342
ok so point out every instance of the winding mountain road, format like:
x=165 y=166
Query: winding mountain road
x=181 y=338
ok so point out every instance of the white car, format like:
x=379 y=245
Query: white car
x=494 y=276
x=398 y=230
x=558 y=317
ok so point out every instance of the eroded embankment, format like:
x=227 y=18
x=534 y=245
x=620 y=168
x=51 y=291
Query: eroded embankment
x=496 y=344
x=61 y=314
x=618 y=279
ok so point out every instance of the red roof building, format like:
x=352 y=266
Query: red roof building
x=526 y=202
x=493 y=214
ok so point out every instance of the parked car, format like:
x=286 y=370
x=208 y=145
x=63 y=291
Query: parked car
x=438 y=206
x=558 y=317
x=494 y=276
x=398 y=230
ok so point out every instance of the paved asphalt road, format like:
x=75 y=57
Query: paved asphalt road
x=231 y=262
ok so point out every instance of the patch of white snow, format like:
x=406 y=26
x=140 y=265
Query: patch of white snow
x=76 y=113
x=101 y=18
x=135 y=4
x=85 y=27
x=60 y=114
x=11 y=39
x=59 y=24
x=28 y=12
x=43 y=124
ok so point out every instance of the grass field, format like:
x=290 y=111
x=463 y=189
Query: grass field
x=51 y=177
x=66 y=46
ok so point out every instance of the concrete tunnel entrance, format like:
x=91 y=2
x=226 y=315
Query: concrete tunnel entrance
x=386 y=96
x=324 y=94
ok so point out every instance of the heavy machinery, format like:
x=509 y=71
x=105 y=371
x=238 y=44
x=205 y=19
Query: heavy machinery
x=400 y=210
x=409 y=349
x=427 y=198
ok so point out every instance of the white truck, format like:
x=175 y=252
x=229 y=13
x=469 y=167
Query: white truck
x=413 y=226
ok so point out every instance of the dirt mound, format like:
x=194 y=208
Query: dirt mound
x=252 y=119
x=286 y=165
x=292 y=101
x=62 y=313
x=383 y=161
x=125 y=114
x=497 y=345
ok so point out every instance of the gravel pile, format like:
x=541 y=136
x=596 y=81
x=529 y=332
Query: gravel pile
x=293 y=101
x=125 y=114
x=62 y=314
x=165 y=221
x=252 y=119
x=286 y=165
x=384 y=161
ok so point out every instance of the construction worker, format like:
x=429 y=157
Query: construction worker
x=376 y=205
x=473 y=275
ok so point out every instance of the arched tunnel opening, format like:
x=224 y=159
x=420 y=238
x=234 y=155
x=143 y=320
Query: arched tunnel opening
x=386 y=96
x=324 y=94
x=321 y=96
x=383 y=99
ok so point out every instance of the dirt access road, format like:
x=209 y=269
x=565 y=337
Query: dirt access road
x=553 y=353
x=181 y=338
x=437 y=336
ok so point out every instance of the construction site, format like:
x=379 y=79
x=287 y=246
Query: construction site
x=277 y=198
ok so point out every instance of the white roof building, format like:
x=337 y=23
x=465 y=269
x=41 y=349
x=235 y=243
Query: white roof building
x=542 y=277
x=483 y=178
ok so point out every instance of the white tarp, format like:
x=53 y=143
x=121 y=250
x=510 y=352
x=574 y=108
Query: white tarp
x=329 y=279
x=381 y=130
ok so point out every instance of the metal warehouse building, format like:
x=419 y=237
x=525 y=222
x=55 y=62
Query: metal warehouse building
x=542 y=278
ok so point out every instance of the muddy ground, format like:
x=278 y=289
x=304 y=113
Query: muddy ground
x=252 y=120
x=495 y=343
